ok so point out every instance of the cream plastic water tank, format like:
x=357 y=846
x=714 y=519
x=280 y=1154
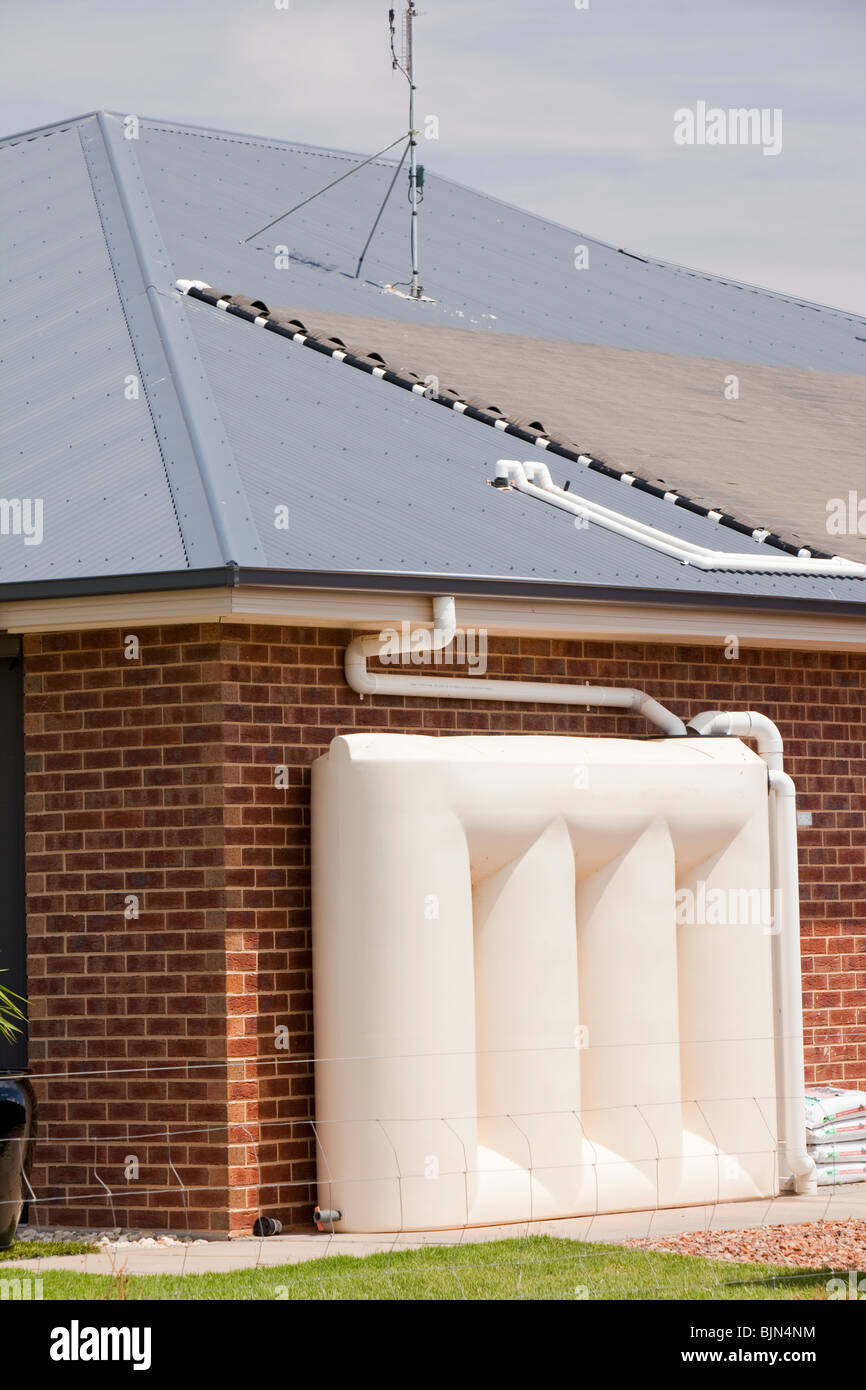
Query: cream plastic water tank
x=542 y=977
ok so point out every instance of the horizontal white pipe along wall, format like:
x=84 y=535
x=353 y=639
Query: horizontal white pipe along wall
x=510 y=1022
x=367 y=682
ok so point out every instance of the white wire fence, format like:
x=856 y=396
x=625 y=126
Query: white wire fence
x=141 y=1175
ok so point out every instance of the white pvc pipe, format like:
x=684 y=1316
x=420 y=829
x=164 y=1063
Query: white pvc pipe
x=788 y=988
x=357 y=652
x=744 y=724
x=367 y=682
x=787 y=964
x=534 y=480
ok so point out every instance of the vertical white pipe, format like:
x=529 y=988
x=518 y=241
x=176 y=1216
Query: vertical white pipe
x=788 y=983
x=787 y=965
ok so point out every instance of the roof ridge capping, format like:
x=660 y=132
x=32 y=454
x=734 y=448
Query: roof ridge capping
x=794 y=559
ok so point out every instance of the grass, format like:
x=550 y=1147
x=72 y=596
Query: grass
x=540 y=1267
x=30 y=1249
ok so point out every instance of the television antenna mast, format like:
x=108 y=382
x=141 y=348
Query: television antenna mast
x=405 y=64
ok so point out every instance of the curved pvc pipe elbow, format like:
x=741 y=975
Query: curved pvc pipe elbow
x=659 y=715
x=364 y=681
x=781 y=783
x=744 y=724
x=186 y=285
x=355 y=665
x=538 y=473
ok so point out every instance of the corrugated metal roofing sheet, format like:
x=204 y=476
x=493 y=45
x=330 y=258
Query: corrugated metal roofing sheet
x=488 y=265
x=378 y=480
x=70 y=435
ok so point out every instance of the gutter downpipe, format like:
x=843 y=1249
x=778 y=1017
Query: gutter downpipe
x=366 y=682
x=787 y=967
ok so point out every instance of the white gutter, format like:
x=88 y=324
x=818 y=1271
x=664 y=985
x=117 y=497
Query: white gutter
x=367 y=682
x=534 y=480
x=787 y=965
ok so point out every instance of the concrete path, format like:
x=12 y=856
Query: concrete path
x=217 y=1256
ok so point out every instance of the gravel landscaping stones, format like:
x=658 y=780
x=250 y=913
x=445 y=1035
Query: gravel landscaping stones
x=812 y=1245
x=116 y=1239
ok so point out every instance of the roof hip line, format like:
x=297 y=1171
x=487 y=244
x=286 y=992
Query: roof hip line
x=213 y=511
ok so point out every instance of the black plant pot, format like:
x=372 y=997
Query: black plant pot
x=17 y=1112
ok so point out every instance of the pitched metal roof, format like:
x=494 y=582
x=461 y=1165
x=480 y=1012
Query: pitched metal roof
x=487 y=264
x=230 y=423
x=73 y=432
x=775 y=455
x=389 y=482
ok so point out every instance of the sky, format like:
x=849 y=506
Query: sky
x=564 y=107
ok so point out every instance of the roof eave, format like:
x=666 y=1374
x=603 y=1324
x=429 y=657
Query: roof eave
x=234 y=576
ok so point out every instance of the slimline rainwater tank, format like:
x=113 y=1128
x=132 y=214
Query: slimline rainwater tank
x=542 y=977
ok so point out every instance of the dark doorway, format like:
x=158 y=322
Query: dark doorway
x=13 y=946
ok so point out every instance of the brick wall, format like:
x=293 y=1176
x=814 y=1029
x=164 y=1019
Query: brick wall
x=124 y=796
x=155 y=777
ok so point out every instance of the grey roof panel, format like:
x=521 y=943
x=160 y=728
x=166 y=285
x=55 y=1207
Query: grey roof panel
x=487 y=264
x=377 y=479
x=204 y=477
x=68 y=433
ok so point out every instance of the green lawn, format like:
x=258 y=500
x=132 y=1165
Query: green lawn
x=29 y=1249
x=540 y=1267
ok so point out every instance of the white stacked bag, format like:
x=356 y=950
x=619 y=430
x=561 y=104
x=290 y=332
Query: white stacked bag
x=836 y=1134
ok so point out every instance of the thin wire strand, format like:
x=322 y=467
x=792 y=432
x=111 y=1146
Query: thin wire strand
x=381 y=210
x=327 y=186
x=149 y=1068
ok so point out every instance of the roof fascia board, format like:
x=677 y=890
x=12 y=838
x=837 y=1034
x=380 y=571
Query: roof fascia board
x=37 y=590
x=554 y=618
x=504 y=616
x=156 y=608
x=235 y=576
x=211 y=504
x=545 y=589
